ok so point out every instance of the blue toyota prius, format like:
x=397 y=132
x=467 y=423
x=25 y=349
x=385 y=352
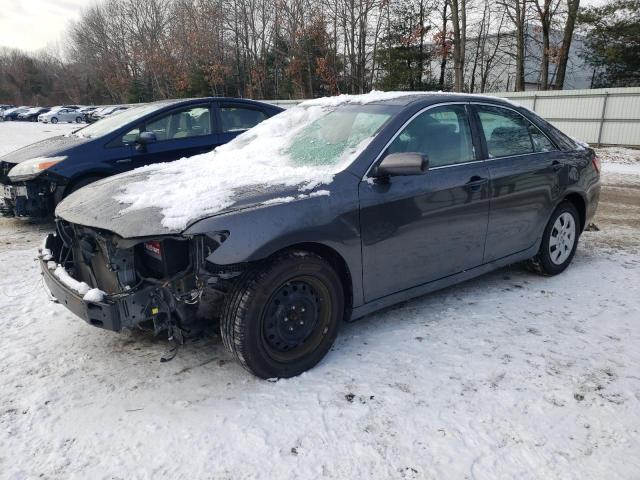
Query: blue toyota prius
x=34 y=179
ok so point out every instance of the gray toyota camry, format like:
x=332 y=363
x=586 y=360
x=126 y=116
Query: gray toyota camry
x=327 y=212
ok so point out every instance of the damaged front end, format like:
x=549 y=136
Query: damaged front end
x=160 y=284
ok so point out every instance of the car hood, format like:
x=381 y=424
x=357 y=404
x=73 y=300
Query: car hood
x=95 y=206
x=50 y=147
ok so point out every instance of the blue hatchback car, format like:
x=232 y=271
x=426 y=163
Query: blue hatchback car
x=34 y=179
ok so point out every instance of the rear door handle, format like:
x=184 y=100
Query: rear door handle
x=475 y=183
x=124 y=160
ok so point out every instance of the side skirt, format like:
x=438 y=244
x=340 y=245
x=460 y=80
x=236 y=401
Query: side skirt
x=404 y=295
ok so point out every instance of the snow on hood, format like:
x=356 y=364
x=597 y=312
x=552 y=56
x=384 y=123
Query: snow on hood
x=93 y=205
x=205 y=184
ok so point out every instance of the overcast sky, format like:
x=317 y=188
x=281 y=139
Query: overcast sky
x=34 y=24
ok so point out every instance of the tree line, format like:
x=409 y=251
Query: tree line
x=132 y=51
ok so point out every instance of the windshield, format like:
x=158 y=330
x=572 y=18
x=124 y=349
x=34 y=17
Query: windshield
x=308 y=136
x=110 y=124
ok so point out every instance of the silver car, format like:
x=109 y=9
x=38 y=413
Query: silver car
x=69 y=115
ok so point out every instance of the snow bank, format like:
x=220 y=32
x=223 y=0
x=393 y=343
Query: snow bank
x=205 y=184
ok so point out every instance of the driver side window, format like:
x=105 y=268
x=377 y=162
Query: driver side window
x=189 y=122
x=185 y=123
x=442 y=134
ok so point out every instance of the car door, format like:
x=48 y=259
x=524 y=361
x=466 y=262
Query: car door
x=525 y=169
x=236 y=118
x=419 y=228
x=181 y=132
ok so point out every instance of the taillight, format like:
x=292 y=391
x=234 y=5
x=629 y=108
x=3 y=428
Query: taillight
x=596 y=163
x=153 y=248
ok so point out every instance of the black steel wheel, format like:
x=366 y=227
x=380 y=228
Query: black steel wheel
x=282 y=317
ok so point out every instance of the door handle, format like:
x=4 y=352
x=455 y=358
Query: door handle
x=475 y=183
x=556 y=165
x=124 y=160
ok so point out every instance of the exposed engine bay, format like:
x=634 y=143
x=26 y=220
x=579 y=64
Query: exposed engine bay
x=159 y=284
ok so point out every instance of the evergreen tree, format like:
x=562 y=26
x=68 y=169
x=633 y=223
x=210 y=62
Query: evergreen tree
x=613 y=42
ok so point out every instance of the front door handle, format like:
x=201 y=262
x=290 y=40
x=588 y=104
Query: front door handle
x=475 y=183
x=124 y=160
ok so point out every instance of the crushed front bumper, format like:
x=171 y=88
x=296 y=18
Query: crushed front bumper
x=114 y=312
x=28 y=199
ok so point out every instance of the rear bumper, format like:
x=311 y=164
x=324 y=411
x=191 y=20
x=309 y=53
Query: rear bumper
x=114 y=312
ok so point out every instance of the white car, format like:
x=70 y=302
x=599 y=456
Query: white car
x=69 y=115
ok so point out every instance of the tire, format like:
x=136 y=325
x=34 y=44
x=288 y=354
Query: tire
x=282 y=317
x=78 y=119
x=557 y=248
x=54 y=120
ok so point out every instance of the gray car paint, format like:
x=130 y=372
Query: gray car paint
x=391 y=236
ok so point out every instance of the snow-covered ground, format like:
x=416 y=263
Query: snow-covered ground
x=510 y=375
x=14 y=135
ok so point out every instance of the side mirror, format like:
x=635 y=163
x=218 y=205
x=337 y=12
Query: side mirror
x=402 y=164
x=145 y=138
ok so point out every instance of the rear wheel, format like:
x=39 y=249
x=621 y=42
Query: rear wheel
x=282 y=317
x=559 y=241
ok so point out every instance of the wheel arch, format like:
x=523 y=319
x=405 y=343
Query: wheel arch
x=94 y=176
x=578 y=201
x=337 y=262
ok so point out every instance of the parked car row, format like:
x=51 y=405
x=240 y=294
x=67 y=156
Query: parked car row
x=60 y=113
x=329 y=211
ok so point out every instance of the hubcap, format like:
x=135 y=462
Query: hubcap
x=292 y=315
x=563 y=237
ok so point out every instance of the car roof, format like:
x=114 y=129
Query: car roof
x=428 y=98
x=175 y=101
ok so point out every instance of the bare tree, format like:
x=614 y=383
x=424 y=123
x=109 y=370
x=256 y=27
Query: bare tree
x=459 y=21
x=516 y=10
x=546 y=11
x=563 y=57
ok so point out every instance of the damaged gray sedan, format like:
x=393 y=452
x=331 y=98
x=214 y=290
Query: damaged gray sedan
x=324 y=213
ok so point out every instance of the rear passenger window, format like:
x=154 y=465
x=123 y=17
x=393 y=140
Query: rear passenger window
x=508 y=133
x=236 y=119
x=442 y=134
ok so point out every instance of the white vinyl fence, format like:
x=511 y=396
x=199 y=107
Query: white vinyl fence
x=604 y=116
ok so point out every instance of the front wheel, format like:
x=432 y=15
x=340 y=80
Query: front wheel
x=78 y=119
x=54 y=120
x=282 y=317
x=559 y=241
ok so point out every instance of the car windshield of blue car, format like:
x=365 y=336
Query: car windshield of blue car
x=110 y=124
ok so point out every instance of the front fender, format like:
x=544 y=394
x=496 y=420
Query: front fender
x=256 y=233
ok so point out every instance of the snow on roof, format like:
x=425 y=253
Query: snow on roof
x=202 y=185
